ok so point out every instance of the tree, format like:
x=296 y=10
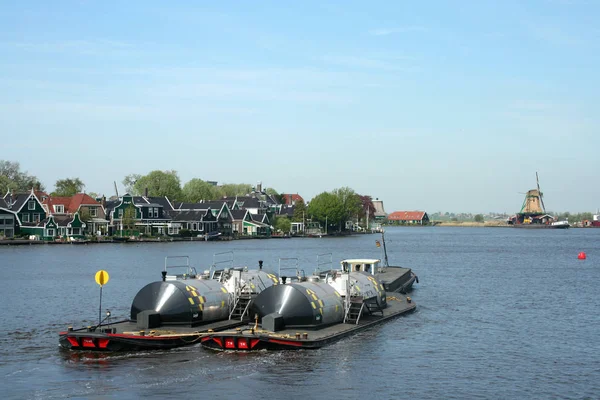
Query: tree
x=283 y=224
x=128 y=220
x=11 y=177
x=299 y=211
x=478 y=218
x=129 y=183
x=326 y=208
x=158 y=183
x=350 y=203
x=233 y=189
x=368 y=209
x=68 y=187
x=197 y=189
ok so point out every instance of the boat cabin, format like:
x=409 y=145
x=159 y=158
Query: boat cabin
x=368 y=265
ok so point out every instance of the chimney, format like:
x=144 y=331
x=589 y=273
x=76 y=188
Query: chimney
x=146 y=192
x=103 y=201
x=259 y=187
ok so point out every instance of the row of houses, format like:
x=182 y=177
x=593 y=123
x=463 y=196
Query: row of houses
x=48 y=217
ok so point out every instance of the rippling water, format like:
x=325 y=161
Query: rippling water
x=502 y=313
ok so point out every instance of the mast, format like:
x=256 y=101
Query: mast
x=385 y=257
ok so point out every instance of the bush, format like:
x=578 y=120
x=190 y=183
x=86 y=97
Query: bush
x=185 y=233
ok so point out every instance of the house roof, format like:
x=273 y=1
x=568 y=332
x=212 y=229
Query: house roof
x=197 y=215
x=406 y=215
x=287 y=211
x=3 y=204
x=19 y=199
x=239 y=214
x=379 y=210
x=291 y=198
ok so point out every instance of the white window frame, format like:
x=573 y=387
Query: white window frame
x=31 y=205
x=59 y=208
x=50 y=232
x=25 y=218
x=120 y=213
x=93 y=211
x=156 y=212
x=36 y=217
x=73 y=230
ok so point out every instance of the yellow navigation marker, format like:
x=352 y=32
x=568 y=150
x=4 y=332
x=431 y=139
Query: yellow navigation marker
x=102 y=277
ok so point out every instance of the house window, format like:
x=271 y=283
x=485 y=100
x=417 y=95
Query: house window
x=36 y=217
x=156 y=212
x=59 y=208
x=195 y=227
x=50 y=232
x=25 y=217
x=76 y=231
x=93 y=212
x=121 y=213
x=31 y=205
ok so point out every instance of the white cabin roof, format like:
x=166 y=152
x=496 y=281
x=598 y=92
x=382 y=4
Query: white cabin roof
x=360 y=261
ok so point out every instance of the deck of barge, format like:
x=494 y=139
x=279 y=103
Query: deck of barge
x=395 y=279
x=246 y=338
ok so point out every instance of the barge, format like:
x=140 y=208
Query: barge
x=177 y=310
x=311 y=312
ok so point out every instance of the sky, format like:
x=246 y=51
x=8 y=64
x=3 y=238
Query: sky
x=433 y=105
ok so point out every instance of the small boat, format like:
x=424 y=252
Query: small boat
x=74 y=240
x=311 y=312
x=177 y=310
x=561 y=225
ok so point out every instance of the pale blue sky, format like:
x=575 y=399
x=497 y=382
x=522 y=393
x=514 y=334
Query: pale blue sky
x=438 y=106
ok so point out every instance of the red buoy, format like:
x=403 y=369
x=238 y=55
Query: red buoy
x=581 y=256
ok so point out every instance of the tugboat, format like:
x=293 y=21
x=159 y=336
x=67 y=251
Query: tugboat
x=311 y=312
x=177 y=310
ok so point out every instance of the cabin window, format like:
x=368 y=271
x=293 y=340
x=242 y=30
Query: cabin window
x=93 y=212
x=156 y=212
x=50 y=232
x=36 y=217
x=59 y=208
x=25 y=218
x=194 y=226
x=76 y=231
x=121 y=213
x=31 y=205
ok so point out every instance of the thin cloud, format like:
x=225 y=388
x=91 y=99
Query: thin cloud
x=391 y=31
x=82 y=47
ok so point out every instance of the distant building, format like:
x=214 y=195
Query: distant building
x=380 y=213
x=409 y=217
x=291 y=199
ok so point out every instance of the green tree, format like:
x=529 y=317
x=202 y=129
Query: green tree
x=197 y=189
x=283 y=224
x=158 y=183
x=11 y=177
x=68 y=187
x=326 y=208
x=233 y=189
x=299 y=212
x=350 y=202
x=129 y=219
x=478 y=218
x=129 y=183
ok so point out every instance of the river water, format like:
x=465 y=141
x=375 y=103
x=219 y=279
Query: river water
x=502 y=313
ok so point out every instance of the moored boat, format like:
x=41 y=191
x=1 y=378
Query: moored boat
x=311 y=312
x=177 y=310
